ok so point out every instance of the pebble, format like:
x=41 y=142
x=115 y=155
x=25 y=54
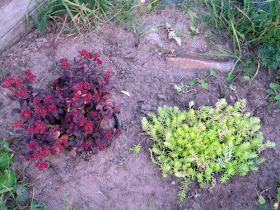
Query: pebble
x=146 y=107
x=26 y=51
x=162 y=97
x=153 y=37
x=41 y=40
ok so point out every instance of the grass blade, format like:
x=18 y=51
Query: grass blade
x=211 y=54
x=71 y=15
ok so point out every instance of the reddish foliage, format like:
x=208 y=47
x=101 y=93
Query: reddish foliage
x=69 y=115
x=12 y=83
x=29 y=75
x=25 y=113
x=18 y=124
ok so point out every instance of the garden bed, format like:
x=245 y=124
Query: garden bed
x=117 y=178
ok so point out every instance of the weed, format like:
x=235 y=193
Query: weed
x=12 y=194
x=210 y=39
x=136 y=149
x=203 y=84
x=192 y=82
x=270 y=54
x=262 y=201
x=247 y=78
x=195 y=144
x=249 y=66
x=180 y=89
x=273 y=92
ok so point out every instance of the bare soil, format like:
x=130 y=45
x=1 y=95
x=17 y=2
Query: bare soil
x=117 y=178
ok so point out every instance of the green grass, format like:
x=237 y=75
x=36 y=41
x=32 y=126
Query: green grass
x=253 y=24
x=90 y=13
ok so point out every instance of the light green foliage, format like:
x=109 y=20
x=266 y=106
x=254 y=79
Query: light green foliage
x=195 y=144
x=136 y=149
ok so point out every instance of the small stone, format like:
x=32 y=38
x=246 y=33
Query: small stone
x=131 y=55
x=47 y=45
x=190 y=62
x=116 y=144
x=162 y=97
x=146 y=107
x=73 y=153
x=26 y=51
x=41 y=40
x=153 y=37
x=173 y=182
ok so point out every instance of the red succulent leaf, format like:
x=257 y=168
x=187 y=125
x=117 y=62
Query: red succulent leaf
x=79 y=105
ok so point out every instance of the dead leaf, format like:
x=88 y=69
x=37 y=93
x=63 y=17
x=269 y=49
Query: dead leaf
x=125 y=92
x=173 y=35
x=56 y=135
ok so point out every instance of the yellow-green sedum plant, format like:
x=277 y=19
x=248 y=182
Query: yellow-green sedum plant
x=196 y=144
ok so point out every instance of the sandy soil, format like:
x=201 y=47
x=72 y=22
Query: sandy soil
x=117 y=178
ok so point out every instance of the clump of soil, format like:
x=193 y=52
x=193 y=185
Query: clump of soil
x=117 y=178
